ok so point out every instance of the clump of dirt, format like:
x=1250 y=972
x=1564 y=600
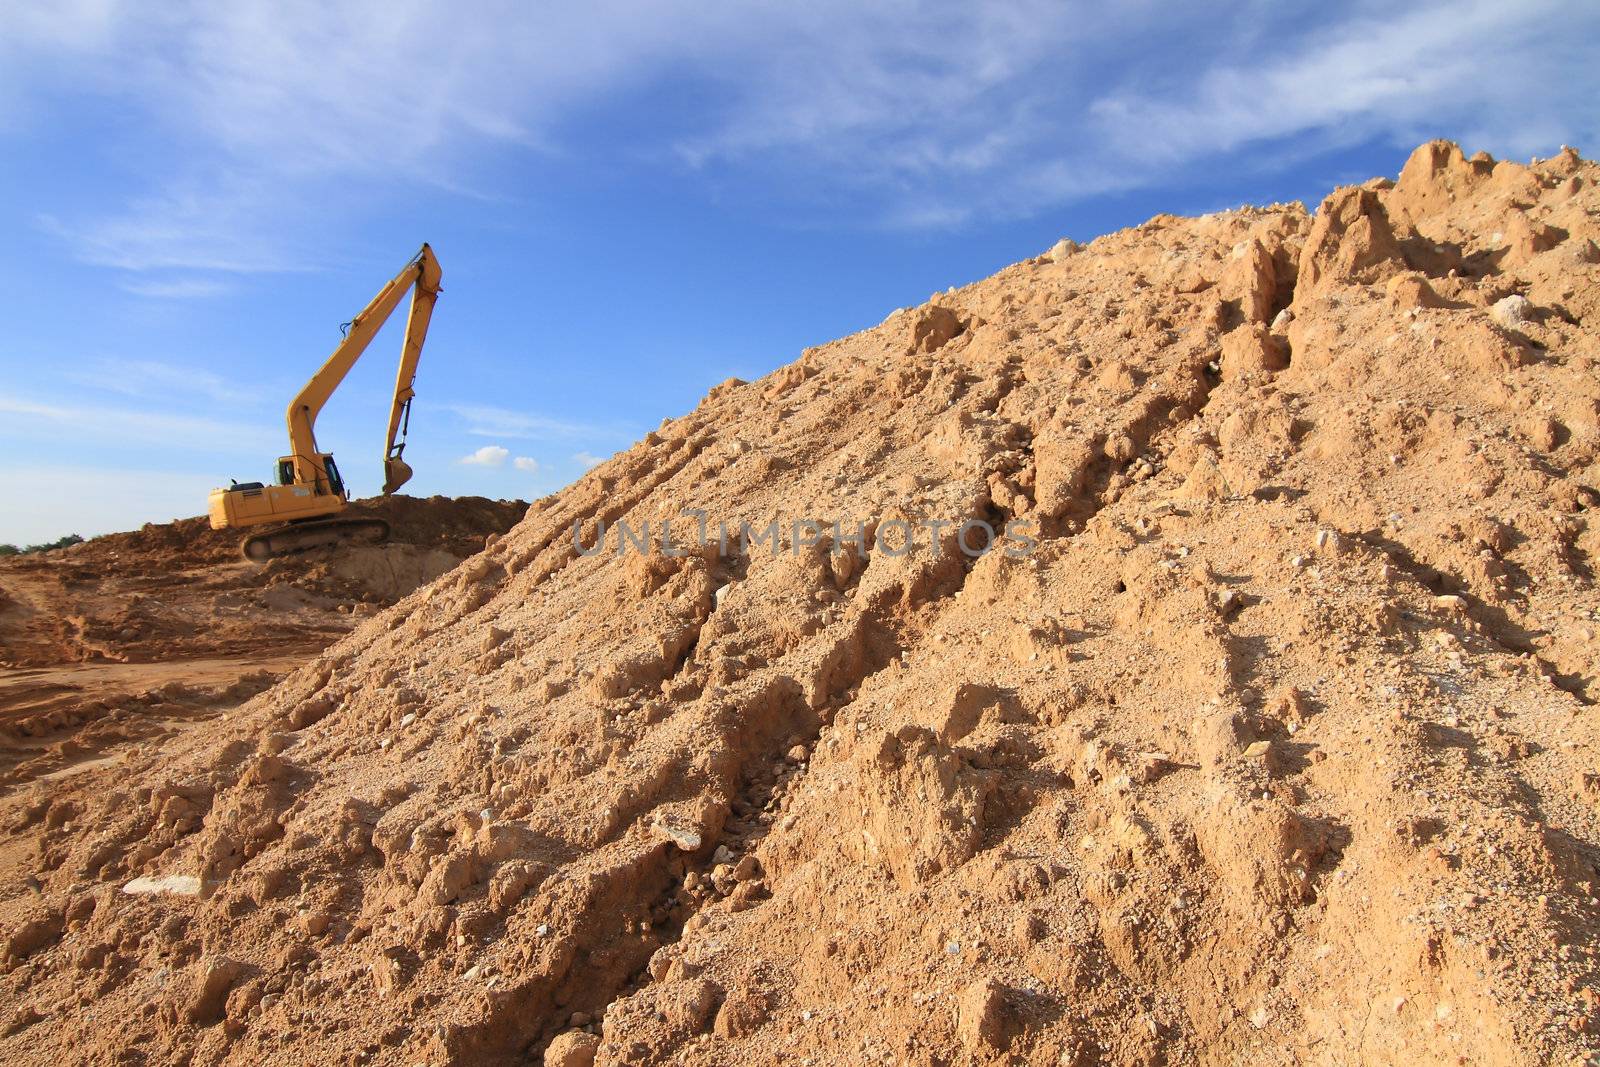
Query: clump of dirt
x=92 y=635
x=1265 y=734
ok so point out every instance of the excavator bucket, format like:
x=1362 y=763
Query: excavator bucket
x=396 y=472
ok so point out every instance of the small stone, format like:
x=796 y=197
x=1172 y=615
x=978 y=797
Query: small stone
x=575 y=1048
x=983 y=1017
x=493 y=637
x=1219 y=736
x=742 y=1012
x=1413 y=291
x=1258 y=749
x=1251 y=349
x=214 y=977
x=1119 y=447
x=1026 y=931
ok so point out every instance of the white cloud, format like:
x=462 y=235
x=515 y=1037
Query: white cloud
x=526 y=464
x=920 y=113
x=487 y=456
x=588 y=460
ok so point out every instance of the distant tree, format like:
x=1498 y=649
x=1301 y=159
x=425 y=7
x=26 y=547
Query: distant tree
x=10 y=550
x=60 y=542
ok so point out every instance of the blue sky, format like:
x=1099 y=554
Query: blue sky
x=631 y=200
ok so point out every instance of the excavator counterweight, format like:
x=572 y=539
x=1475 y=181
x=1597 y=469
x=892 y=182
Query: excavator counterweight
x=309 y=493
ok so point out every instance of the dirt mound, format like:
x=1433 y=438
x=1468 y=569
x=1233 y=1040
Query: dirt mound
x=175 y=603
x=1263 y=734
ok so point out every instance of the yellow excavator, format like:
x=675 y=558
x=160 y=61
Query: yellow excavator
x=310 y=493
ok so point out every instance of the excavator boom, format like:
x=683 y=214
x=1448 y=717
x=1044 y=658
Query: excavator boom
x=422 y=275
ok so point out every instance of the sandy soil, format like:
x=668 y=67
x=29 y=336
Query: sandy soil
x=1269 y=738
x=133 y=636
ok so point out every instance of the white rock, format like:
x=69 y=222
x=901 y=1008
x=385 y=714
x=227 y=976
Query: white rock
x=1511 y=311
x=687 y=839
x=1062 y=249
x=183 y=885
x=1329 y=541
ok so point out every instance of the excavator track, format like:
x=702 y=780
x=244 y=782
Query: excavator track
x=305 y=536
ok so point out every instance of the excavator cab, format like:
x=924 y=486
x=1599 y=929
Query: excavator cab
x=310 y=512
x=328 y=480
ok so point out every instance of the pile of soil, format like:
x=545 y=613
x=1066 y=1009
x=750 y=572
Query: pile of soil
x=1266 y=736
x=133 y=633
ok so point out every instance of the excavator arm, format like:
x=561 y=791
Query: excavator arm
x=421 y=276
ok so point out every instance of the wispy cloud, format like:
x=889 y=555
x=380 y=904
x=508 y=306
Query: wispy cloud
x=587 y=460
x=487 y=456
x=526 y=464
x=917 y=113
x=483 y=420
x=126 y=426
x=153 y=380
x=215 y=220
x=177 y=288
x=1392 y=72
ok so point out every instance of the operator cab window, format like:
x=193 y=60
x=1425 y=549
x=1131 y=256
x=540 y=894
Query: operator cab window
x=285 y=472
x=335 y=482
